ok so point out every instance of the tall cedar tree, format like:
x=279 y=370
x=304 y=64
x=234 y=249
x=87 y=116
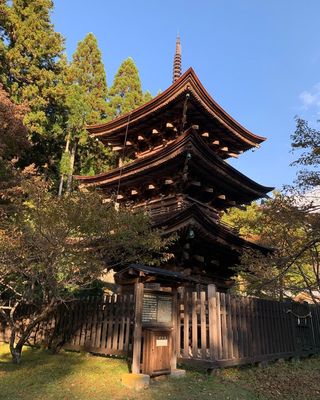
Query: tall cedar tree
x=126 y=92
x=30 y=52
x=87 y=71
x=86 y=92
x=77 y=110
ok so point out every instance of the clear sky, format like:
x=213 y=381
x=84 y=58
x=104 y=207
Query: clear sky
x=259 y=59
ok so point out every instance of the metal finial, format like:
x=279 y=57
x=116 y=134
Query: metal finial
x=177 y=61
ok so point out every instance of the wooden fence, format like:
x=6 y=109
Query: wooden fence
x=214 y=329
x=101 y=325
x=217 y=329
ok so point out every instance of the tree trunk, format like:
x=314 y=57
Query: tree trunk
x=66 y=150
x=16 y=354
x=16 y=348
x=72 y=160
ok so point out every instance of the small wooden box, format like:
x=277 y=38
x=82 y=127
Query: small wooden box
x=157 y=349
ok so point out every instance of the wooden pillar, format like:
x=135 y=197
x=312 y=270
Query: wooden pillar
x=137 y=334
x=175 y=330
x=212 y=291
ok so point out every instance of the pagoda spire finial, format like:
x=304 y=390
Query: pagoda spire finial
x=177 y=60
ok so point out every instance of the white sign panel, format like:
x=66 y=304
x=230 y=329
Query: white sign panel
x=161 y=342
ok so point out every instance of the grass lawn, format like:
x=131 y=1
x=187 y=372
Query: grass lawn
x=78 y=376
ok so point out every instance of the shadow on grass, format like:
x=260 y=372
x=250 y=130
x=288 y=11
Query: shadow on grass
x=67 y=375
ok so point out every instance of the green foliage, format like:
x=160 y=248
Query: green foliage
x=64 y=166
x=95 y=158
x=289 y=224
x=31 y=65
x=294 y=235
x=306 y=141
x=247 y=220
x=77 y=110
x=87 y=71
x=86 y=102
x=61 y=98
x=125 y=93
x=53 y=247
x=32 y=59
x=147 y=96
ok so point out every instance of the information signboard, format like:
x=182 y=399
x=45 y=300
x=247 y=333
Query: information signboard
x=156 y=308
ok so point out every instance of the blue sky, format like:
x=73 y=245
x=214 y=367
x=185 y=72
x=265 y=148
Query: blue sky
x=259 y=59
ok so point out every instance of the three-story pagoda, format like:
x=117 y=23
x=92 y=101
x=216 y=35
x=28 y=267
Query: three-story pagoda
x=178 y=143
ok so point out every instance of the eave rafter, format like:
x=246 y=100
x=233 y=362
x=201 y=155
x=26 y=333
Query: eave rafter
x=198 y=165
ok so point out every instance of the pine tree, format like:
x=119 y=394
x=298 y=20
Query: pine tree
x=30 y=53
x=125 y=93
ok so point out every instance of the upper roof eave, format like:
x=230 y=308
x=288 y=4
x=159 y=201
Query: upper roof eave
x=145 y=164
x=188 y=81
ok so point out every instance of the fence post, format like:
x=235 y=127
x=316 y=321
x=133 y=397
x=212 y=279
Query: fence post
x=212 y=291
x=137 y=334
x=289 y=306
x=313 y=338
x=175 y=330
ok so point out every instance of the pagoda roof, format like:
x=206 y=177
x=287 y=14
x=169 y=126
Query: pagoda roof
x=204 y=162
x=209 y=229
x=204 y=109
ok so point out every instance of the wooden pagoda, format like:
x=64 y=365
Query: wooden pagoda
x=178 y=144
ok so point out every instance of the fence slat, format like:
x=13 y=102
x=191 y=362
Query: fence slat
x=110 y=323
x=122 y=322
x=186 y=324
x=249 y=318
x=179 y=325
x=116 y=316
x=224 y=331
x=194 y=330
x=229 y=327
x=235 y=349
x=203 y=326
x=212 y=320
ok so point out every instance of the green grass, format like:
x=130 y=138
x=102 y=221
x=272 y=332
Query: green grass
x=79 y=376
